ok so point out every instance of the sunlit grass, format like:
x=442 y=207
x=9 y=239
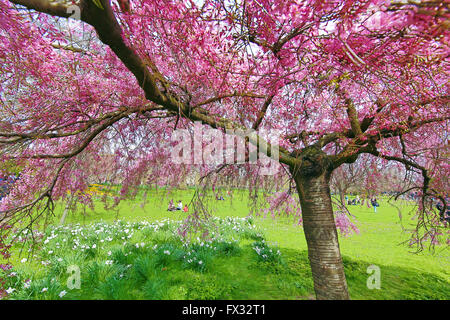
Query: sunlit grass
x=234 y=270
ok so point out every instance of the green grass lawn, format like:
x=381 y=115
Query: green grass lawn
x=235 y=271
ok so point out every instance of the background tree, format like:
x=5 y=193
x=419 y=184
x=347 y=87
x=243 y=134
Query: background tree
x=338 y=78
x=348 y=178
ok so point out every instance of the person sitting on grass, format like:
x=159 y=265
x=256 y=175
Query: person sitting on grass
x=180 y=205
x=171 y=207
x=185 y=209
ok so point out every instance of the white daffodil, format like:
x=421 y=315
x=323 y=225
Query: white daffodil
x=10 y=290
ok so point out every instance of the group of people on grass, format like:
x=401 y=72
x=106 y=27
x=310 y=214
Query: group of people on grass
x=353 y=202
x=172 y=207
x=443 y=212
x=357 y=200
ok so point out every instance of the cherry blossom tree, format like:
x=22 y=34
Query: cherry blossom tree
x=338 y=78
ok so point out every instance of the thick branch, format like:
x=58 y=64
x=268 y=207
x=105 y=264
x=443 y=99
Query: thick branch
x=263 y=111
x=110 y=33
x=353 y=117
x=230 y=95
x=51 y=7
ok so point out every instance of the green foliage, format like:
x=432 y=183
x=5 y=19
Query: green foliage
x=207 y=288
x=228 y=248
x=266 y=253
x=114 y=288
x=119 y=256
x=142 y=268
x=155 y=288
x=138 y=258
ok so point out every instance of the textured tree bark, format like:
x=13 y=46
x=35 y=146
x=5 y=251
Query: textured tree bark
x=312 y=181
x=322 y=239
x=66 y=211
x=64 y=215
x=342 y=196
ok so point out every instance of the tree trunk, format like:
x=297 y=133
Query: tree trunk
x=144 y=200
x=342 y=197
x=66 y=211
x=312 y=182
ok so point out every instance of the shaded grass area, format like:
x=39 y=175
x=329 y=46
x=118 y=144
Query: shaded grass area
x=236 y=271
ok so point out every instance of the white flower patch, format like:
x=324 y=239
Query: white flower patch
x=10 y=290
x=27 y=284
